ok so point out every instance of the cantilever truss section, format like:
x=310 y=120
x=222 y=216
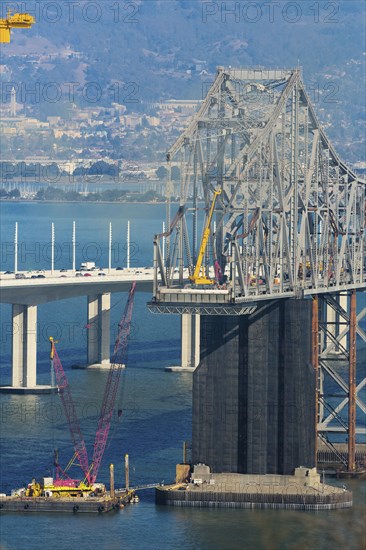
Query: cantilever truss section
x=291 y=217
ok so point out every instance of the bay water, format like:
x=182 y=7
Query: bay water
x=155 y=405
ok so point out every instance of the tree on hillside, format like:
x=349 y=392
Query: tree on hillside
x=14 y=194
x=50 y=194
x=175 y=173
x=102 y=168
x=161 y=172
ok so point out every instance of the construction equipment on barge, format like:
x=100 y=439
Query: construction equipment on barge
x=85 y=491
x=48 y=497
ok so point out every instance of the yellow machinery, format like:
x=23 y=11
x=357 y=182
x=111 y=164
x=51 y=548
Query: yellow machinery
x=52 y=488
x=16 y=21
x=199 y=276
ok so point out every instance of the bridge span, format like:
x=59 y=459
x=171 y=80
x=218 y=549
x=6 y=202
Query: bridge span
x=60 y=285
x=285 y=230
x=285 y=259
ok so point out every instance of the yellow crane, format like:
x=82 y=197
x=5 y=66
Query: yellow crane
x=199 y=276
x=16 y=21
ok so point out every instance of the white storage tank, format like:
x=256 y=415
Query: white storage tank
x=47 y=481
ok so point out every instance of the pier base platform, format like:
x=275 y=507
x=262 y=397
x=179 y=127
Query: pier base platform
x=20 y=390
x=301 y=491
x=180 y=369
x=101 y=366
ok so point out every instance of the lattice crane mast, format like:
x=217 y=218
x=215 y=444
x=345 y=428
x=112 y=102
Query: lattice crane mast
x=16 y=21
x=70 y=411
x=110 y=392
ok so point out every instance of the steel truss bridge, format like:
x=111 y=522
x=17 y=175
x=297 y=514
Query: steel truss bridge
x=289 y=223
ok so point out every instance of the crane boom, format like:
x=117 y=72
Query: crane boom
x=177 y=218
x=70 y=411
x=16 y=21
x=199 y=276
x=111 y=388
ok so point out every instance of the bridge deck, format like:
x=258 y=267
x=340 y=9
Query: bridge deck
x=61 y=285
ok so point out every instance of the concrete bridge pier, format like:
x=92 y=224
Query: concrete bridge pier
x=24 y=346
x=190 y=344
x=99 y=338
x=24 y=352
x=254 y=391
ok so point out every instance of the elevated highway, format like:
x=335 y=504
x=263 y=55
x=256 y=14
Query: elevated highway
x=59 y=285
x=25 y=291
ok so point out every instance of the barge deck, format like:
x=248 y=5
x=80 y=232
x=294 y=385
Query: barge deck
x=97 y=505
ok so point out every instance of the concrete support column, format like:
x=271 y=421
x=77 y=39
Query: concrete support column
x=93 y=329
x=24 y=346
x=17 y=345
x=190 y=343
x=99 y=338
x=104 y=314
x=190 y=338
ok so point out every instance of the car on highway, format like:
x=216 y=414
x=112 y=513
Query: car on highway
x=20 y=276
x=8 y=272
x=41 y=276
x=101 y=274
x=87 y=274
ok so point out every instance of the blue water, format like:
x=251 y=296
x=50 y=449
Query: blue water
x=156 y=408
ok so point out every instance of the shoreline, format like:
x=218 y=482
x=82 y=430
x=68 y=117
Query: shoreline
x=49 y=201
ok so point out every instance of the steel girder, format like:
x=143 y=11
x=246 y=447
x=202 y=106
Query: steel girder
x=200 y=309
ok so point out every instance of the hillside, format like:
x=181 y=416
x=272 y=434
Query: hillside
x=148 y=50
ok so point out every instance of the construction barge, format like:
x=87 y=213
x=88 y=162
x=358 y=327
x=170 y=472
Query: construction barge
x=73 y=496
x=88 y=504
x=62 y=493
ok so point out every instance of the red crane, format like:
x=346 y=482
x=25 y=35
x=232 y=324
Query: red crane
x=110 y=393
x=70 y=411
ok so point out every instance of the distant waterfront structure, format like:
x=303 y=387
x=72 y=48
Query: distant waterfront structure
x=185 y=105
x=13 y=103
